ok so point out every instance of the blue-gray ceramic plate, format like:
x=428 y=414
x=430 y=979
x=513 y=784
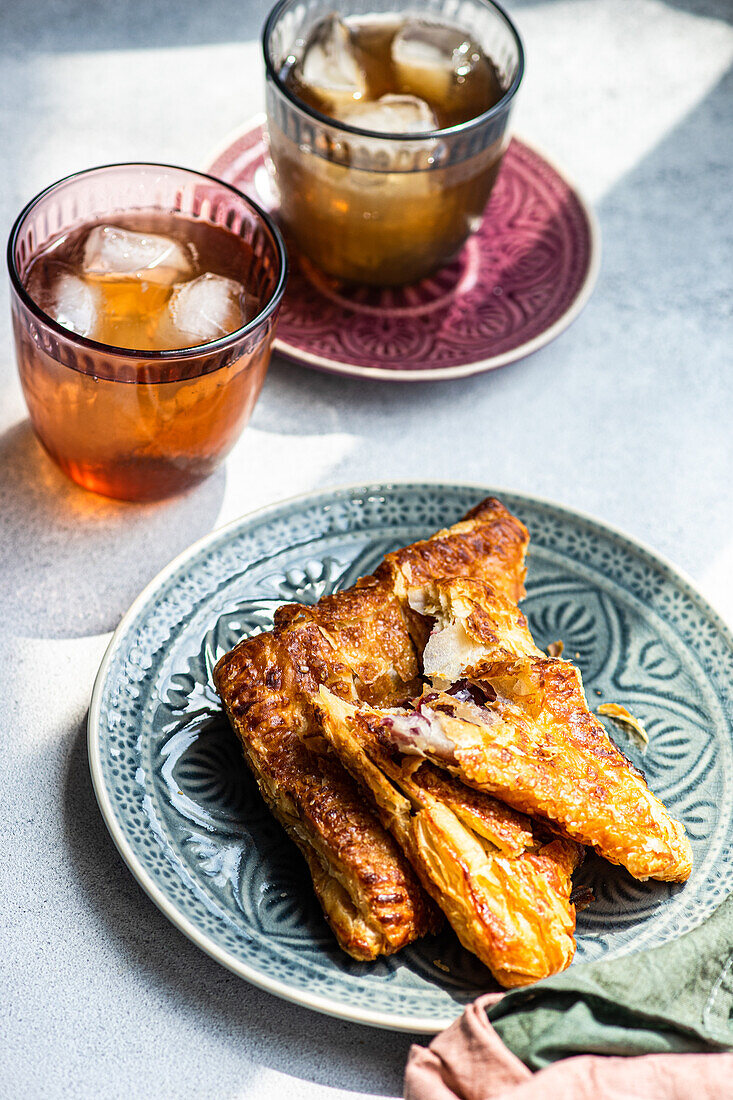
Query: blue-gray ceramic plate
x=188 y=820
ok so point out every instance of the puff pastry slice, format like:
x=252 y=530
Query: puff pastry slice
x=516 y=724
x=503 y=882
x=366 y=886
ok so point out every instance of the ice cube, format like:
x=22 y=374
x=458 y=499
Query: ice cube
x=112 y=251
x=329 y=67
x=430 y=58
x=204 y=309
x=391 y=114
x=73 y=304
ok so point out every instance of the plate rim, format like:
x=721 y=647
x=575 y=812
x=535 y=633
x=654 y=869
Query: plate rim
x=327 y=365
x=428 y=1025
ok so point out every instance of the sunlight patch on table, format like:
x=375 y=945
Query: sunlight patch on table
x=266 y=466
x=91 y=106
x=645 y=81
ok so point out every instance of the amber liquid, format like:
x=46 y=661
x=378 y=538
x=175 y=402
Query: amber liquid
x=373 y=225
x=459 y=99
x=131 y=427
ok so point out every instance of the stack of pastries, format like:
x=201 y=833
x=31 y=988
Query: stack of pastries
x=429 y=760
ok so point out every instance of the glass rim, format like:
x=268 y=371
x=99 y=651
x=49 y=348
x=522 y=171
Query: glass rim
x=447 y=131
x=211 y=346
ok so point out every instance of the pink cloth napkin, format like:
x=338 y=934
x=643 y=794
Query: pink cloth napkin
x=468 y=1061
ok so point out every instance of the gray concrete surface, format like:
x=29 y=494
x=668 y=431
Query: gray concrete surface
x=627 y=416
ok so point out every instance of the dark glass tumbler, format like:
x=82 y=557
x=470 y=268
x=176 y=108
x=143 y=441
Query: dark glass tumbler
x=374 y=208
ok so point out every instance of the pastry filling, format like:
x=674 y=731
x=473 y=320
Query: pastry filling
x=418 y=733
x=448 y=652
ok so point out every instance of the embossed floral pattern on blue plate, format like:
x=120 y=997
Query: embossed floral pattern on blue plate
x=187 y=817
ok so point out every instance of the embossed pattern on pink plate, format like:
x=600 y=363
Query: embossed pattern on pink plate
x=519 y=281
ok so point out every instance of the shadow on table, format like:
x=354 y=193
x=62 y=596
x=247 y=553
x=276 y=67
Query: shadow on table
x=714 y=9
x=73 y=561
x=335 y=1053
x=66 y=25
x=300 y=401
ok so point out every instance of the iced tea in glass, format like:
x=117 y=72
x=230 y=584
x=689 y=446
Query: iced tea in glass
x=144 y=299
x=386 y=130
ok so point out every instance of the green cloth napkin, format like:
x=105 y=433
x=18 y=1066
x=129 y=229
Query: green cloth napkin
x=672 y=999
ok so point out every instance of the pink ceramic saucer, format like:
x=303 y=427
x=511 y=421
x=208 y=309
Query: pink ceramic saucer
x=517 y=284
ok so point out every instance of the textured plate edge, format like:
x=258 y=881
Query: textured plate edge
x=429 y=1025
x=307 y=359
x=324 y=1005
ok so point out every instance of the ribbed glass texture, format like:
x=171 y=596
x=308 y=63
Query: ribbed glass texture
x=384 y=209
x=142 y=425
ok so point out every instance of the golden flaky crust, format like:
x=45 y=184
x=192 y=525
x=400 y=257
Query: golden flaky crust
x=537 y=746
x=469 y=618
x=533 y=742
x=366 y=634
x=502 y=881
x=488 y=544
x=366 y=886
